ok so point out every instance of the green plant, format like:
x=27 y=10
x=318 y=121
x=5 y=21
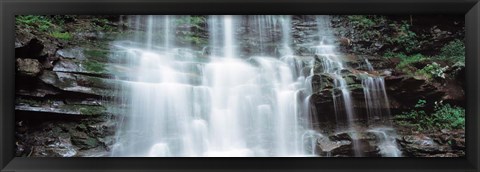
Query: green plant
x=61 y=35
x=433 y=70
x=420 y=103
x=403 y=36
x=193 y=21
x=407 y=61
x=362 y=21
x=448 y=117
x=443 y=117
x=42 y=23
x=454 y=51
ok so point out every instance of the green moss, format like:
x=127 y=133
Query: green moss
x=87 y=109
x=97 y=55
x=61 y=35
x=406 y=62
x=94 y=66
x=92 y=110
x=29 y=102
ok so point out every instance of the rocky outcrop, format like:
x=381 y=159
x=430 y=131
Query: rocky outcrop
x=377 y=34
x=63 y=94
x=438 y=144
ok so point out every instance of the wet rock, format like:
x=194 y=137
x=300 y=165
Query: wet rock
x=82 y=67
x=420 y=145
x=406 y=90
x=78 y=83
x=64 y=109
x=327 y=147
x=83 y=141
x=71 y=53
x=29 y=67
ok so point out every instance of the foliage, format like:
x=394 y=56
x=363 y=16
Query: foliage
x=396 y=34
x=61 y=35
x=444 y=117
x=42 y=23
x=403 y=36
x=188 y=33
x=102 y=24
x=193 y=21
x=407 y=61
x=432 y=71
x=362 y=21
x=365 y=24
x=421 y=103
x=454 y=51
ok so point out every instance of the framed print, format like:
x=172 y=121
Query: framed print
x=182 y=86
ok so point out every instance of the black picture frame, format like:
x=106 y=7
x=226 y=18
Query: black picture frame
x=10 y=8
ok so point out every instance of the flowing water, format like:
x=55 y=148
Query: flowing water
x=184 y=103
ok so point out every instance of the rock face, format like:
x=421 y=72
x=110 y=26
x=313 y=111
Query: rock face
x=434 y=31
x=63 y=96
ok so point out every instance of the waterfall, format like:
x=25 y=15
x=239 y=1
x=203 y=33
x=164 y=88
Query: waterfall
x=181 y=105
x=167 y=32
x=229 y=36
x=184 y=103
x=334 y=65
x=378 y=113
x=386 y=142
x=376 y=100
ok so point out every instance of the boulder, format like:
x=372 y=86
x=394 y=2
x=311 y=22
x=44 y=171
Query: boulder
x=326 y=147
x=420 y=146
x=29 y=67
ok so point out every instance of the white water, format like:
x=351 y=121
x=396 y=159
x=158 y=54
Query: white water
x=236 y=109
x=182 y=105
x=386 y=142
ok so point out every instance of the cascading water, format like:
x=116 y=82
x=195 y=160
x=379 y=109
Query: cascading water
x=184 y=103
x=333 y=65
x=180 y=105
x=378 y=113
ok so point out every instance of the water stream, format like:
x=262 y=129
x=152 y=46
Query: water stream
x=182 y=103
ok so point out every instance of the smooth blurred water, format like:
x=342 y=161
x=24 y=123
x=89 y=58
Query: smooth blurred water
x=183 y=104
